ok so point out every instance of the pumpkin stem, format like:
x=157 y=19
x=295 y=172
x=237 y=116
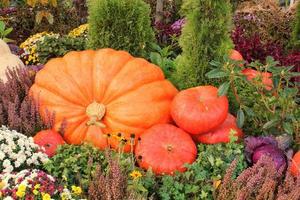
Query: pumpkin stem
x=96 y=112
x=169 y=148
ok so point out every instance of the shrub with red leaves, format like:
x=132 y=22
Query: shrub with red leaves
x=252 y=48
x=293 y=59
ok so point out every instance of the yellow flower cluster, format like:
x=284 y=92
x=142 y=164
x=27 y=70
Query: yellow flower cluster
x=135 y=174
x=30 y=56
x=21 y=191
x=76 y=190
x=79 y=31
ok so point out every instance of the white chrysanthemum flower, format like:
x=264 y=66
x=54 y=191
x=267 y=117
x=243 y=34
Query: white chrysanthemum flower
x=6 y=163
x=8 y=198
x=17 y=164
x=8 y=169
x=2 y=155
x=17 y=149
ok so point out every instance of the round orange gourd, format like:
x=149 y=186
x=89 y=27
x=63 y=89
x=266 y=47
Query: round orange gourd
x=50 y=140
x=165 y=149
x=103 y=93
x=295 y=166
x=266 y=77
x=199 y=110
x=235 y=55
x=221 y=134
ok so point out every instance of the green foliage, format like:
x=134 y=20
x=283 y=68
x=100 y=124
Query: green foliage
x=162 y=57
x=4 y=32
x=23 y=21
x=75 y=164
x=262 y=111
x=52 y=47
x=202 y=177
x=143 y=187
x=295 y=38
x=120 y=24
x=205 y=37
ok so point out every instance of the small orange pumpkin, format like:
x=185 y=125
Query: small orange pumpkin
x=222 y=133
x=266 y=77
x=103 y=93
x=295 y=166
x=235 y=55
x=199 y=110
x=165 y=149
x=50 y=140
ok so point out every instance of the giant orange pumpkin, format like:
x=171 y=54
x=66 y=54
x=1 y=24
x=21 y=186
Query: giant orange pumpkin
x=101 y=94
x=295 y=166
x=198 y=110
x=222 y=133
x=165 y=149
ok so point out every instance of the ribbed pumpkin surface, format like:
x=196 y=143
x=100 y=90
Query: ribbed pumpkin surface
x=101 y=92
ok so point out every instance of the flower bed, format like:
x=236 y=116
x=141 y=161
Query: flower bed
x=132 y=106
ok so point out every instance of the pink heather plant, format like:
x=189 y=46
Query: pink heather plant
x=17 y=110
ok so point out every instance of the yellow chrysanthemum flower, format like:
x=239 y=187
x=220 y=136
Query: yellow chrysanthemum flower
x=79 y=31
x=22 y=187
x=76 y=190
x=135 y=174
x=46 y=196
x=20 y=194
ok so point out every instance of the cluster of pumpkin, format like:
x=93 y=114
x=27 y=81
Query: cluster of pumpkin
x=106 y=93
x=111 y=99
x=266 y=77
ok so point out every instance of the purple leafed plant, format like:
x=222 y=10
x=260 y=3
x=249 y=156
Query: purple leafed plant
x=256 y=147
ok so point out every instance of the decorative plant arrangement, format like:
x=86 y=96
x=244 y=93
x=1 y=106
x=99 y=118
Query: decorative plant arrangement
x=158 y=100
x=18 y=152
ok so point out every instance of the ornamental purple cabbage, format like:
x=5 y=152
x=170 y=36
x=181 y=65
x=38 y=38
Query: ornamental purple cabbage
x=256 y=147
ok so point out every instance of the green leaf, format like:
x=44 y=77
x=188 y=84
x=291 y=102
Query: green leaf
x=240 y=118
x=211 y=160
x=215 y=63
x=223 y=89
x=288 y=128
x=270 y=124
x=2 y=26
x=7 y=31
x=216 y=73
x=7 y=40
x=155 y=58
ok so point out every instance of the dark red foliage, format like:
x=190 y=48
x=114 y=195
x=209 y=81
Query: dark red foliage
x=17 y=110
x=293 y=59
x=252 y=48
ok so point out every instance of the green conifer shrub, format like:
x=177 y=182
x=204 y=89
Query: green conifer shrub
x=205 y=37
x=120 y=24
